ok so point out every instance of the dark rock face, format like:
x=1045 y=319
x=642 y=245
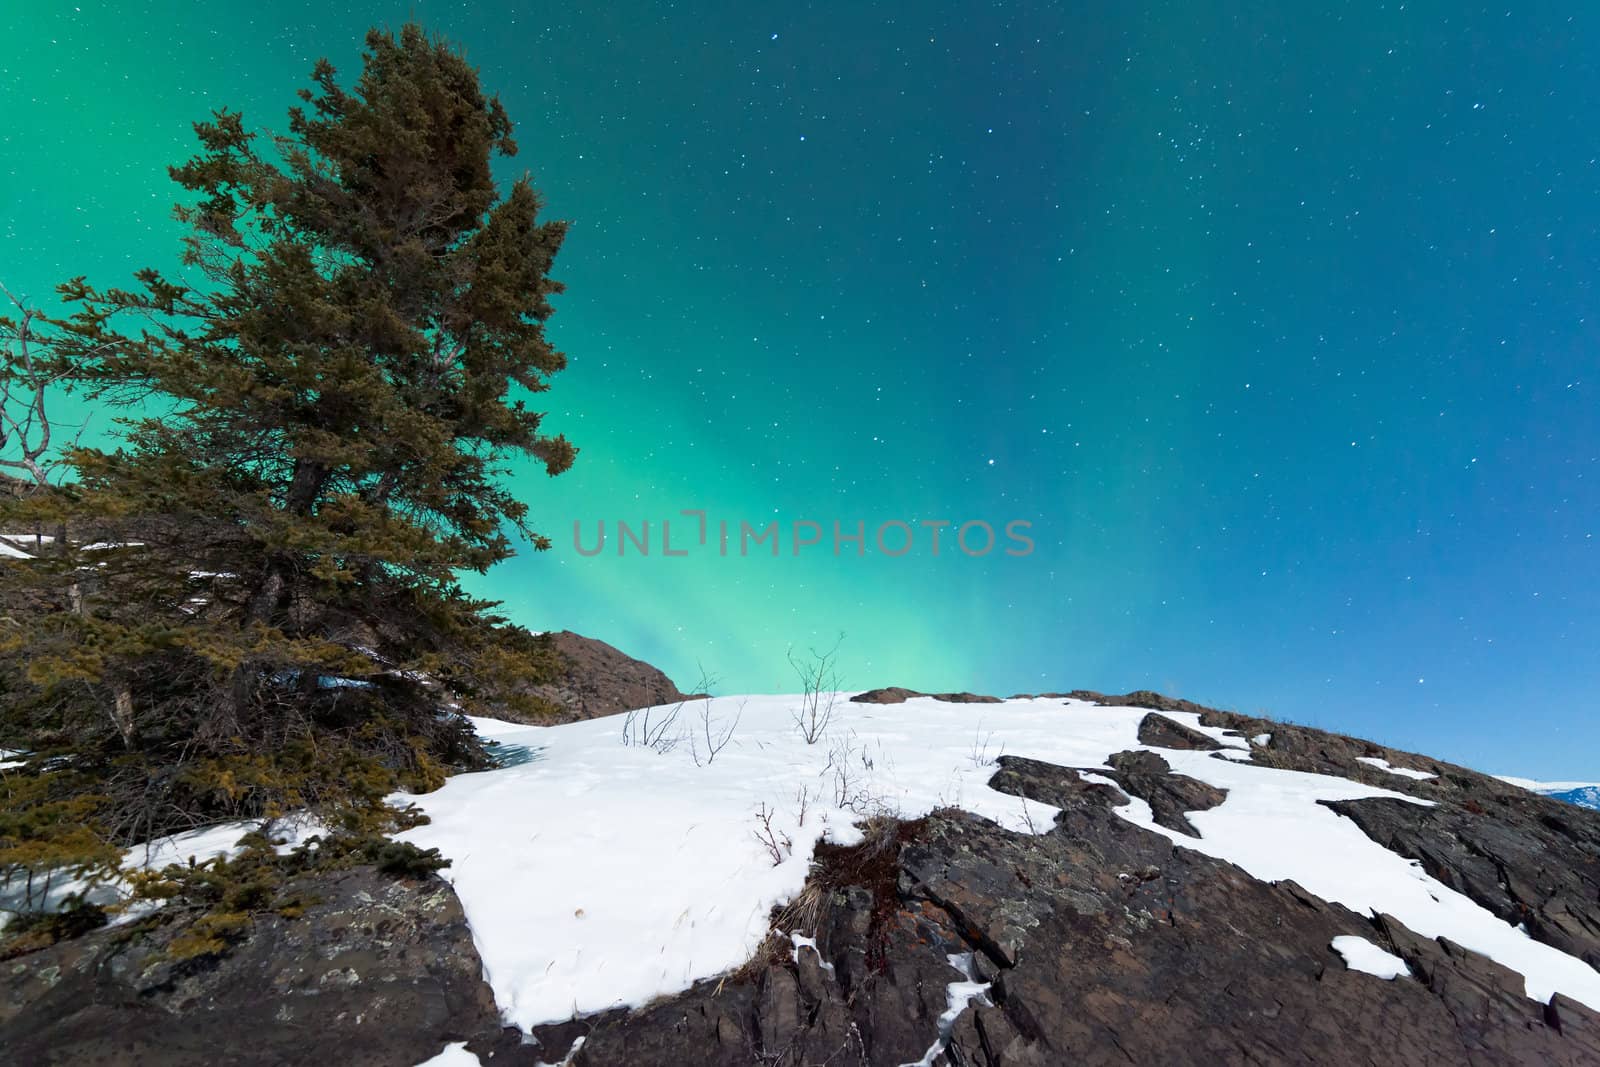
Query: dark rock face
x=379 y=972
x=894 y=694
x=1150 y=778
x=1543 y=873
x=1101 y=943
x=598 y=680
x=1162 y=732
x=1527 y=858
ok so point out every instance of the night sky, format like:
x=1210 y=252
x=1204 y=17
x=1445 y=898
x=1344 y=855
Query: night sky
x=1277 y=324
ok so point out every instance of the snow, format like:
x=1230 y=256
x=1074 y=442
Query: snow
x=596 y=875
x=1404 y=772
x=202 y=844
x=1273 y=828
x=566 y=1061
x=455 y=1054
x=191 y=846
x=960 y=994
x=1224 y=737
x=1534 y=786
x=1362 y=955
x=810 y=943
x=9 y=543
x=220 y=839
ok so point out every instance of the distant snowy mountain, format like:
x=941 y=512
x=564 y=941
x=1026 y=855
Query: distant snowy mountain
x=1583 y=794
x=1587 y=796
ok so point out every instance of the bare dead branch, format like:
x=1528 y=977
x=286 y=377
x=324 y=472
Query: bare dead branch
x=25 y=385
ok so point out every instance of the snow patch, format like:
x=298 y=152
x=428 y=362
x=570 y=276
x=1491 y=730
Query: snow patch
x=1404 y=772
x=1221 y=735
x=190 y=847
x=1362 y=955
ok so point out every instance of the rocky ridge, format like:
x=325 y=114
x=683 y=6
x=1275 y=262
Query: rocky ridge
x=1096 y=941
x=597 y=679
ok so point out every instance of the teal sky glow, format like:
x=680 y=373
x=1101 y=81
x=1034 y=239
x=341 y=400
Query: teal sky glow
x=1277 y=322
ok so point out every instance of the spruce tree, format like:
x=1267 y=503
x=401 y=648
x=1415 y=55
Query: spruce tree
x=255 y=605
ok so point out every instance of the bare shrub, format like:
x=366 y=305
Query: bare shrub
x=983 y=752
x=819 y=681
x=713 y=734
x=710 y=734
x=779 y=845
x=663 y=728
x=653 y=728
x=851 y=787
x=1027 y=818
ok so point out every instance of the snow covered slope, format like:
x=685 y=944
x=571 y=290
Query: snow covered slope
x=597 y=874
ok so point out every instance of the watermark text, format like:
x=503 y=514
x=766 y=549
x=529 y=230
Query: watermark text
x=693 y=532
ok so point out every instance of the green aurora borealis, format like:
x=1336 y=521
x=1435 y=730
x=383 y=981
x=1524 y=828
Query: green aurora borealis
x=1276 y=322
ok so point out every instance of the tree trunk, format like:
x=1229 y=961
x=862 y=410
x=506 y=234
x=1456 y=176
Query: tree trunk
x=264 y=602
x=122 y=713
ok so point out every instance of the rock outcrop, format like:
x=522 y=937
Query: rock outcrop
x=1532 y=860
x=946 y=941
x=1162 y=732
x=378 y=971
x=1536 y=868
x=597 y=680
x=895 y=694
x=1098 y=942
x=1149 y=777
